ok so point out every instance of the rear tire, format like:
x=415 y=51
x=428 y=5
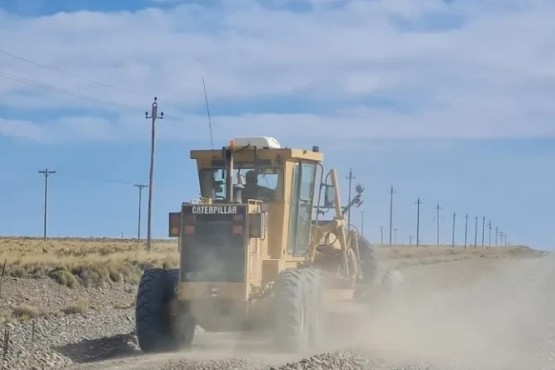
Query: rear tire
x=152 y=314
x=292 y=329
x=368 y=268
x=368 y=261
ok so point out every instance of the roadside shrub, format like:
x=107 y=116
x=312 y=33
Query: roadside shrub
x=63 y=277
x=17 y=273
x=25 y=312
x=78 y=307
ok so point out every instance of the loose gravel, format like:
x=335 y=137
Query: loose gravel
x=48 y=298
x=61 y=341
x=83 y=340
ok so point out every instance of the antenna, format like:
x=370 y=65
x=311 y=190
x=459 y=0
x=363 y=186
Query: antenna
x=208 y=113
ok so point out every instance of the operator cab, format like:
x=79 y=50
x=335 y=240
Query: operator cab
x=254 y=175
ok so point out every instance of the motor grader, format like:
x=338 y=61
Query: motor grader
x=256 y=250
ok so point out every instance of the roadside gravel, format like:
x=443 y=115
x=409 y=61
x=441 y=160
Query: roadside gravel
x=47 y=297
x=60 y=341
x=84 y=341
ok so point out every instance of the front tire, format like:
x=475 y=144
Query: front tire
x=313 y=279
x=291 y=314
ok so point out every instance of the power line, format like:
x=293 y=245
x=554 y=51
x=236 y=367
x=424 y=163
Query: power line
x=489 y=227
x=46 y=172
x=437 y=210
x=453 y=238
x=483 y=229
x=418 y=203
x=153 y=116
x=140 y=187
x=83 y=78
x=391 y=192
x=62 y=91
x=465 y=230
x=475 y=231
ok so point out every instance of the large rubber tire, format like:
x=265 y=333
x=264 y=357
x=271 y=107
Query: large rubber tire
x=153 y=325
x=368 y=261
x=292 y=331
x=314 y=286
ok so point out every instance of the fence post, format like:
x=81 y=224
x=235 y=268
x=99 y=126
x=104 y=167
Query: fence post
x=3 y=269
x=6 y=341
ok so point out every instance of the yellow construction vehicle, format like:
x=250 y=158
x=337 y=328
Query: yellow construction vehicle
x=255 y=251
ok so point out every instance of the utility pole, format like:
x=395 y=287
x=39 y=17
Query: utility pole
x=453 y=238
x=418 y=203
x=153 y=116
x=391 y=192
x=46 y=173
x=489 y=227
x=140 y=187
x=475 y=231
x=437 y=210
x=362 y=222
x=483 y=229
x=395 y=238
x=381 y=234
x=501 y=234
x=410 y=239
x=350 y=177
x=496 y=236
x=465 y=229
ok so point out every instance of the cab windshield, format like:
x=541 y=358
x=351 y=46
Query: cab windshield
x=260 y=183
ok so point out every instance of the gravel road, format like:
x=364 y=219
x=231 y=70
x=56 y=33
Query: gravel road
x=468 y=314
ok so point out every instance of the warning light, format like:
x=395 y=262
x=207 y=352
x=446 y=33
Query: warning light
x=174 y=224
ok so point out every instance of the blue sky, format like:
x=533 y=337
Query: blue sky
x=451 y=101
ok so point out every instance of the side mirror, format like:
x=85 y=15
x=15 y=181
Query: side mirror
x=329 y=197
x=218 y=186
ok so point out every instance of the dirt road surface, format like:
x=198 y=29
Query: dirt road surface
x=475 y=313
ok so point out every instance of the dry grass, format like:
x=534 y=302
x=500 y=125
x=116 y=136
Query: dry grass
x=78 y=307
x=457 y=252
x=90 y=262
x=25 y=312
x=96 y=262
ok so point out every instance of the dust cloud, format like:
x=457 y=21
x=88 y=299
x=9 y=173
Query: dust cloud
x=477 y=314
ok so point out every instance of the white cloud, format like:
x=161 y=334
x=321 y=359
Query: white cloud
x=493 y=76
